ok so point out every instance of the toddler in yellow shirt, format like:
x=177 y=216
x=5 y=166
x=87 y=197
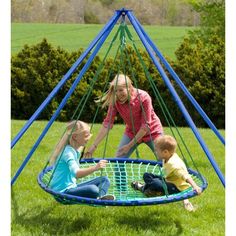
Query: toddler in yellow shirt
x=176 y=175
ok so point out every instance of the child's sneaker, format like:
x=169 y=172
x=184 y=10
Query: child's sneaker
x=108 y=197
x=137 y=186
x=189 y=207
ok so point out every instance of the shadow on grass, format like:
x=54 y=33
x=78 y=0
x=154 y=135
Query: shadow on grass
x=157 y=222
x=36 y=220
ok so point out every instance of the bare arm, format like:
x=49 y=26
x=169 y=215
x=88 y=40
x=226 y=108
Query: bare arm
x=101 y=134
x=123 y=150
x=87 y=171
x=194 y=185
x=142 y=132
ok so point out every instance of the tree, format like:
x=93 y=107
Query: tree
x=201 y=60
x=212 y=18
x=151 y=12
x=35 y=71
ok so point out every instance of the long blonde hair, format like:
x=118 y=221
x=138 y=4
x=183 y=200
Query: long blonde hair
x=109 y=97
x=71 y=128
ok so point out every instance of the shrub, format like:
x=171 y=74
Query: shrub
x=36 y=70
x=201 y=67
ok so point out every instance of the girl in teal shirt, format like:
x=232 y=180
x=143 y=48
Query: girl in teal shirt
x=67 y=169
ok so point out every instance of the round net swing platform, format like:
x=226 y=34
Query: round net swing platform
x=121 y=172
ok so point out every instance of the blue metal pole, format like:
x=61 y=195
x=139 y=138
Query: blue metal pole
x=181 y=84
x=62 y=104
x=63 y=80
x=176 y=98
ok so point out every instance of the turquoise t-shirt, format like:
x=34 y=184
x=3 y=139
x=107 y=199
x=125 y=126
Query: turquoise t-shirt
x=66 y=168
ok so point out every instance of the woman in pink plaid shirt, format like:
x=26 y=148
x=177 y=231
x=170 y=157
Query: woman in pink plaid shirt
x=135 y=108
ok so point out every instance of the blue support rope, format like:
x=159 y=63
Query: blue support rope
x=176 y=98
x=70 y=91
x=63 y=80
x=180 y=83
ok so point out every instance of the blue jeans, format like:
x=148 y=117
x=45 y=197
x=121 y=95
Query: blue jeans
x=125 y=140
x=120 y=172
x=94 y=188
x=155 y=183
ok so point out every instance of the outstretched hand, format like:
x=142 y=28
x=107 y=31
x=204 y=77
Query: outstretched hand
x=101 y=164
x=123 y=150
x=89 y=153
x=198 y=190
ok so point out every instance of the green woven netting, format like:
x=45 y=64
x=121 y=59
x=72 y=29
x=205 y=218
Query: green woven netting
x=121 y=175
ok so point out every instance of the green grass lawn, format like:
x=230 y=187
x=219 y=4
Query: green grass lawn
x=74 y=36
x=35 y=212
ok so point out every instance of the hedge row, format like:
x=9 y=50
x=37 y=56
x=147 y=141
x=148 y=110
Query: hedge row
x=36 y=70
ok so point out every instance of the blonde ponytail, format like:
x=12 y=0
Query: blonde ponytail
x=72 y=127
x=61 y=144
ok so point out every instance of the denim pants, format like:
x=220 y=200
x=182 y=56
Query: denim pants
x=120 y=172
x=94 y=188
x=155 y=183
x=125 y=140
